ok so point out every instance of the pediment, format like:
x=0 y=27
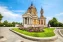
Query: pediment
x=27 y=15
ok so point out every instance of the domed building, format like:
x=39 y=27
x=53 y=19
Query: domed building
x=30 y=18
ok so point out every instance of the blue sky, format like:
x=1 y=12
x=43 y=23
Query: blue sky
x=12 y=10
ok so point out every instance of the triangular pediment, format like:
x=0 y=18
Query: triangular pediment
x=27 y=15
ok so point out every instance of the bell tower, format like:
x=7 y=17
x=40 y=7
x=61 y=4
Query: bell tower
x=41 y=12
x=42 y=20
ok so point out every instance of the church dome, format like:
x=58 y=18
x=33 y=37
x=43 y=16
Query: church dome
x=32 y=10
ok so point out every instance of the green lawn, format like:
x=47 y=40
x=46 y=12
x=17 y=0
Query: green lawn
x=48 y=32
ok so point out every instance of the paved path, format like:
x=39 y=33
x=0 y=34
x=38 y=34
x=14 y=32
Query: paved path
x=12 y=37
x=61 y=31
x=60 y=38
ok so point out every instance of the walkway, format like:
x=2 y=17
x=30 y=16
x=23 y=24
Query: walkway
x=12 y=37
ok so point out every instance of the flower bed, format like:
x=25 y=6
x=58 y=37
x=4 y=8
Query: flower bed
x=48 y=32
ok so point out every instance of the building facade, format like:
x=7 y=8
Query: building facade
x=30 y=18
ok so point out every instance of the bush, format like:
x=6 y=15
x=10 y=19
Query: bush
x=1 y=24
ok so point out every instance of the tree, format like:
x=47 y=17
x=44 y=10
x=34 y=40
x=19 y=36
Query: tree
x=1 y=17
x=17 y=23
x=1 y=24
x=55 y=23
x=5 y=23
x=9 y=24
x=13 y=24
x=60 y=24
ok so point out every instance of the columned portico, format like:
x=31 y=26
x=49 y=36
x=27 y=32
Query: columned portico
x=27 y=20
x=30 y=17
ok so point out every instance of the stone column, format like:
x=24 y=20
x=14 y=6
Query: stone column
x=40 y=21
x=43 y=21
x=27 y=20
x=30 y=21
x=23 y=20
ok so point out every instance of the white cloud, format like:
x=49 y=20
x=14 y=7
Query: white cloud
x=60 y=17
x=60 y=14
x=18 y=10
x=61 y=21
x=9 y=15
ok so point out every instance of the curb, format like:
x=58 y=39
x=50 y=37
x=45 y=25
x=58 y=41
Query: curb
x=60 y=33
x=36 y=38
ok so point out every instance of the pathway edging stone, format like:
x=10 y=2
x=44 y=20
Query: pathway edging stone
x=45 y=39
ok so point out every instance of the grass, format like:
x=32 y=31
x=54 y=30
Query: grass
x=48 y=32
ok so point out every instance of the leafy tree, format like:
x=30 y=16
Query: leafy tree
x=16 y=23
x=21 y=23
x=60 y=24
x=13 y=24
x=9 y=24
x=1 y=17
x=5 y=23
x=55 y=23
x=1 y=24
